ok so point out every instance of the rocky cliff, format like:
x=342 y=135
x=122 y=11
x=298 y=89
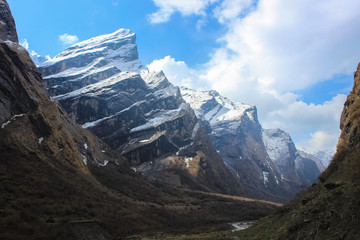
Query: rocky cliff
x=265 y=161
x=330 y=209
x=293 y=165
x=7 y=24
x=102 y=85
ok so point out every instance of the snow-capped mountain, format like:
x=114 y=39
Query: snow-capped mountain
x=197 y=139
x=324 y=156
x=117 y=49
x=293 y=165
x=266 y=160
x=104 y=87
x=37 y=58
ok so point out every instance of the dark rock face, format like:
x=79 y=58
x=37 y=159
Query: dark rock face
x=348 y=121
x=349 y=139
x=103 y=86
x=15 y=93
x=7 y=24
x=266 y=162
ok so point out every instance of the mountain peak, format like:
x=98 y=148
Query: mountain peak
x=117 y=36
x=117 y=49
x=213 y=107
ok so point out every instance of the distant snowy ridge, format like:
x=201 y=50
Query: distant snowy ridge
x=214 y=108
x=37 y=58
x=325 y=155
x=265 y=158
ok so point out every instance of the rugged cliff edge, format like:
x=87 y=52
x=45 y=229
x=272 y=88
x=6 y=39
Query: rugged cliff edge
x=220 y=147
x=330 y=209
x=7 y=23
x=103 y=86
x=265 y=161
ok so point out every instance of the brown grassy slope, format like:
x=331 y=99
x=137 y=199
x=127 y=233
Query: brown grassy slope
x=47 y=192
x=331 y=209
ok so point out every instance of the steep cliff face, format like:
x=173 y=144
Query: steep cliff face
x=265 y=161
x=7 y=24
x=294 y=166
x=330 y=209
x=345 y=165
x=103 y=86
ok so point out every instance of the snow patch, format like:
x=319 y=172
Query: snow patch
x=99 y=86
x=86 y=146
x=182 y=148
x=94 y=123
x=277 y=144
x=12 y=119
x=265 y=177
x=276 y=179
x=104 y=164
x=216 y=109
x=160 y=118
x=238 y=226
x=84 y=159
x=41 y=140
x=187 y=161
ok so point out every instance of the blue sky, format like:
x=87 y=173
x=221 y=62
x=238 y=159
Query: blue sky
x=41 y=22
x=294 y=59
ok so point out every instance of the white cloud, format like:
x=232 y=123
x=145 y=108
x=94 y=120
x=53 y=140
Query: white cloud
x=297 y=115
x=231 y=9
x=179 y=73
x=25 y=44
x=275 y=110
x=297 y=43
x=284 y=46
x=37 y=58
x=320 y=140
x=67 y=39
x=185 y=7
x=274 y=49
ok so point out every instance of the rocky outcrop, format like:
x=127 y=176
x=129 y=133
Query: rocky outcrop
x=329 y=209
x=265 y=161
x=7 y=24
x=102 y=85
x=349 y=139
x=294 y=166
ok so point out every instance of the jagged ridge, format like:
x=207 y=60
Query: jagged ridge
x=265 y=160
x=138 y=113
